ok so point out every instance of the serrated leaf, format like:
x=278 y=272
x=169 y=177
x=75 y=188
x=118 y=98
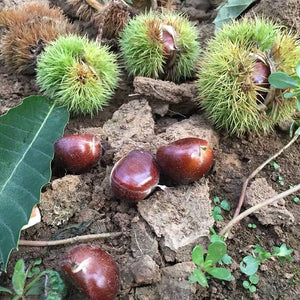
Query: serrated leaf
x=198 y=276
x=19 y=277
x=281 y=80
x=216 y=200
x=231 y=10
x=282 y=251
x=215 y=252
x=27 y=134
x=197 y=255
x=220 y=273
x=249 y=265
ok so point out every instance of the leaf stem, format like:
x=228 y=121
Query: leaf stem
x=258 y=169
x=72 y=240
x=258 y=206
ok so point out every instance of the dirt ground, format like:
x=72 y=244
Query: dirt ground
x=153 y=263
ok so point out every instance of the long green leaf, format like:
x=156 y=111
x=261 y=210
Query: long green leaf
x=220 y=273
x=197 y=255
x=215 y=252
x=281 y=80
x=230 y=10
x=19 y=277
x=27 y=135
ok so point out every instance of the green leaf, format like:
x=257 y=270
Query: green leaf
x=5 y=290
x=216 y=238
x=226 y=259
x=216 y=200
x=197 y=255
x=249 y=265
x=230 y=10
x=225 y=205
x=220 y=273
x=198 y=276
x=252 y=289
x=281 y=80
x=298 y=68
x=27 y=135
x=246 y=284
x=19 y=277
x=297 y=132
x=276 y=166
x=254 y=279
x=262 y=254
x=215 y=252
x=289 y=95
x=282 y=250
x=298 y=103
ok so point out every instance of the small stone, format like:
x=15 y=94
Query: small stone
x=273 y=214
x=145 y=271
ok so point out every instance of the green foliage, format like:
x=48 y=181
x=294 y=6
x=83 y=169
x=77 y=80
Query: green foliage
x=78 y=74
x=275 y=165
x=253 y=226
x=47 y=284
x=142 y=47
x=291 y=84
x=27 y=135
x=250 y=264
x=250 y=285
x=227 y=92
x=216 y=252
x=217 y=210
x=229 y=10
x=296 y=199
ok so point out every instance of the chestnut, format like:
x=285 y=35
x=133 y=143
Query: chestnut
x=93 y=271
x=260 y=74
x=185 y=160
x=134 y=176
x=77 y=153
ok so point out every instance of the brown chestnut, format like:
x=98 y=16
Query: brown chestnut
x=93 y=271
x=134 y=176
x=77 y=153
x=185 y=160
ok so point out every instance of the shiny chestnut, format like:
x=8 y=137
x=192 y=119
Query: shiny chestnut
x=93 y=271
x=185 y=160
x=77 y=153
x=134 y=176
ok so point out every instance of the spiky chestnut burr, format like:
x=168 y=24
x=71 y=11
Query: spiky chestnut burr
x=232 y=80
x=78 y=74
x=27 y=30
x=109 y=17
x=160 y=46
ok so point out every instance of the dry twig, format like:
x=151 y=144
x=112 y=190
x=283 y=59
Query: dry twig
x=72 y=240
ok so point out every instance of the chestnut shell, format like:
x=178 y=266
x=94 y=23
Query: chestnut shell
x=134 y=176
x=77 y=153
x=185 y=160
x=93 y=271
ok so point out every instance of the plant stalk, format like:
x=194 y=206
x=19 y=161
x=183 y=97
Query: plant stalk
x=253 y=174
x=72 y=240
x=256 y=207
